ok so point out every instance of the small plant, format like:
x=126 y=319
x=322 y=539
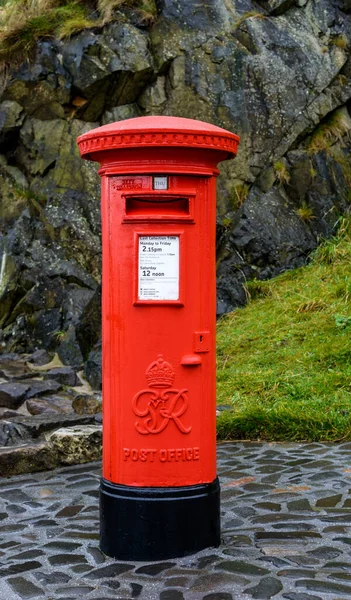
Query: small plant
x=240 y=193
x=281 y=172
x=336 y=248
x=340 y=41
x=313 y=172
x=312 y=306
x=257 y=289
x=58 y=335
x=305 y=212
x=333 y=129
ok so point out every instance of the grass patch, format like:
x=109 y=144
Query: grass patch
x=331 y=130
x=284 y=361
x=24 y=22
x=281 y=172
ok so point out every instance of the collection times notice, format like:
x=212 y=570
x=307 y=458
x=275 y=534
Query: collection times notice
x=158 y=269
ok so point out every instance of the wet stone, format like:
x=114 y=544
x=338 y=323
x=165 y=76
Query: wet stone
x=64 y=546
x=76 y=590
x=274 y=506
x=329 y=501
x=20 y=568
x=285 y=535
x=51 y=578
x=110 y=571
x=266 y=588
x=242 y=567
x=233 y=523
x=171 y=595
x=177 y=582
x=81 y=568
x=239 y=541
x=208 y=582
x=28 y=554
x=70 y=511
x=324 y=476
x=304 y=560
x=325 y=552
x=205 y=561
x=295 y=526
x=302 y=504
x=155 y=569
x=293 y=596
x=15 y=509
x=66 y=559
x=136 y=589
x=15 y=495
x=97 y=555
x=218 y=596
x=24 y=588
x=337 y=565
x=296 y=573
x=323 y=586
x=342 y=576
x=81 y=535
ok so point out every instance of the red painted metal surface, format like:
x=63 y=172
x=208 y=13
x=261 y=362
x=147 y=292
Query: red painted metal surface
x=159 y=295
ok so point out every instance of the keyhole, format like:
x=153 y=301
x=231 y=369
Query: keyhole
x=200 y=338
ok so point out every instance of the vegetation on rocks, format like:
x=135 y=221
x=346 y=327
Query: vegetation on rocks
x=284 y=361
x=24 y=22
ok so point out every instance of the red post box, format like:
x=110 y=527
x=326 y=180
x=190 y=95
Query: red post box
x=159 y=495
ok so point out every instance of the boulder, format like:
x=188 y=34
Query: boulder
x=77 y=444
x=12 y=434
x=41 y=406
x=12 y=395
x=63 y=375
x=87 y=405
x=37 y=387
x=27 y=459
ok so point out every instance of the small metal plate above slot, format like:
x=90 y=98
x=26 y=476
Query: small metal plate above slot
x=160 y=183
x=201 y=341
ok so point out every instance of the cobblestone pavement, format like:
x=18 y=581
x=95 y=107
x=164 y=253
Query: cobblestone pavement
x=286 y=520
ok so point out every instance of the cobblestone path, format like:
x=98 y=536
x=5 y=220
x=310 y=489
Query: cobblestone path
x=286 y=521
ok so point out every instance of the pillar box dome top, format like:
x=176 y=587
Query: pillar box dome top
x=158 y=131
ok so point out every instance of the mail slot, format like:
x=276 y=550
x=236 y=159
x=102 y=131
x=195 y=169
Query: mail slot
x=159 y=493
x=157 y=208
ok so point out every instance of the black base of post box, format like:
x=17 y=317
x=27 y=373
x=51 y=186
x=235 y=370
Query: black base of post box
x=158 y=523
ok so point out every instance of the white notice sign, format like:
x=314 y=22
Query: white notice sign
x=158 y=270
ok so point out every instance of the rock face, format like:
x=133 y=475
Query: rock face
x=277 y=72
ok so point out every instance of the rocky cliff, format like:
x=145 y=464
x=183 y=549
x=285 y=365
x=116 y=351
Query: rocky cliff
x=277 y=72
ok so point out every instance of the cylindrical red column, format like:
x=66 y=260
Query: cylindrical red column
x=159 y=495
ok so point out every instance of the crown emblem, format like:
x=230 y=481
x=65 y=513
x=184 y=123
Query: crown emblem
x=160 y=373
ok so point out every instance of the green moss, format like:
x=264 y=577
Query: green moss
x=284 y=361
